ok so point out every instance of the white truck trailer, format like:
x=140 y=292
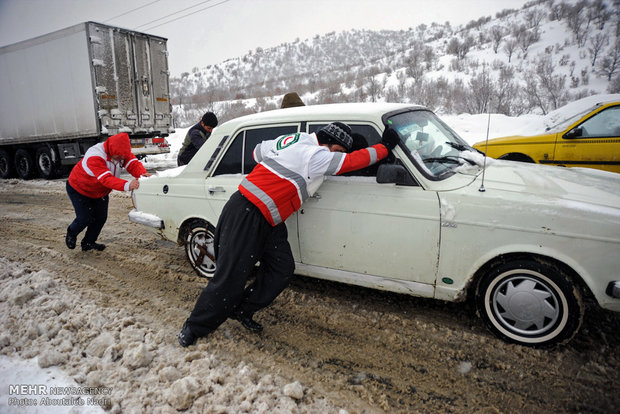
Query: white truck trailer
x=68 y=90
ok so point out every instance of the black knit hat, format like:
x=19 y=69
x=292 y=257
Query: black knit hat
x=209 y=119
x=336 y=133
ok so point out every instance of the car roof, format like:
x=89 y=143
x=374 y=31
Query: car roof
x=328 y=112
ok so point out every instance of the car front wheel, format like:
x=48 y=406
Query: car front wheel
x=198 y=241
x=530 y=302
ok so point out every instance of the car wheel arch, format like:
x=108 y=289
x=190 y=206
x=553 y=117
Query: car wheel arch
x=516 y=156
x=498 y=260
x=186 y=225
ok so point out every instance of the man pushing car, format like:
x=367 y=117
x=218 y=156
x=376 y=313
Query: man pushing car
x=290 y=169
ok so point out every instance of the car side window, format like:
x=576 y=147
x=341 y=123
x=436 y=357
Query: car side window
x=255 y=136
x=602 y=125
x=231 y=162
x=363 y=136
x=238 y=158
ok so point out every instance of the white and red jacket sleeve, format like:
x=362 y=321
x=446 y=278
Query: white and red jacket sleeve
x=336 y=163
x=107 y=178
x=292 y=167
x=95 y=176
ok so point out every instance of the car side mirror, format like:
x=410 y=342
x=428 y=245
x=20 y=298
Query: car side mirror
x=394 y=174
x=574 y=133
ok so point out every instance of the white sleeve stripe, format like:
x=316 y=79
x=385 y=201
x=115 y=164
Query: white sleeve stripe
x=335 y=164
x=373 y=155
x=107 y=172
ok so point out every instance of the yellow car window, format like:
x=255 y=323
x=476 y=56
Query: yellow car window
x=604 y=124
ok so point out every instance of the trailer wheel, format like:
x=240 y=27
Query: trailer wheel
x=47 y=162
x=7 y=169
x=24 y=164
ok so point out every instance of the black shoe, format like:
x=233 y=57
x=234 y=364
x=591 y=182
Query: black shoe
x=186 y=337
x=92 y=246
x=70 y=240
x=248 y=323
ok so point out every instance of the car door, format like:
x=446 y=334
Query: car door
x=354 y=224
x=594 y=143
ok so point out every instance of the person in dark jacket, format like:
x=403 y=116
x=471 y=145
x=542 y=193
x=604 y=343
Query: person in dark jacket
x=196 y=136
x=91 y=181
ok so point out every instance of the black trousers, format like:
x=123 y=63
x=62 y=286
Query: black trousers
x=90 y=214
x=242 y=238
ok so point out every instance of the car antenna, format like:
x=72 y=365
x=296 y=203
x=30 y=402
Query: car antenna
x=486 y=146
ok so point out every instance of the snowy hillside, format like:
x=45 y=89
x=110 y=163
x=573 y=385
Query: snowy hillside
x=531 y=60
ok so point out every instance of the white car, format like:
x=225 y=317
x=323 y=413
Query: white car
x=436 y=219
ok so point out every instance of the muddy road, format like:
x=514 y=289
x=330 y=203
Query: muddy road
x=351 y=349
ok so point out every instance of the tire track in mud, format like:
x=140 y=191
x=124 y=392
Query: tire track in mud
x=366 y=350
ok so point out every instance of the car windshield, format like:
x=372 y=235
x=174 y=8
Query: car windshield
x=433 y=146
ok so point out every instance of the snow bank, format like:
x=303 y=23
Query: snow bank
x=68 y=351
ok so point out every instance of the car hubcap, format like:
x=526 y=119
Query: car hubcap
x=525 y=305
x=202 y=252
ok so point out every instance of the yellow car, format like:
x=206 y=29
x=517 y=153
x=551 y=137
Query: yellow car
x=584 y=133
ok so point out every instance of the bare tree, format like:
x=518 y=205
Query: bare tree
x=596 y=44
x=480 y=93
x=552 y=85
x=414 y=63
x=534 y=95
x=578 y=20
x=534 y=18
x=557 y=11
x=372 y=88
x=600 y=13
x=526 y=39
x=507 y=93
x=458 y=48
x=497 y=34
x=608 y=65
x=510 y=45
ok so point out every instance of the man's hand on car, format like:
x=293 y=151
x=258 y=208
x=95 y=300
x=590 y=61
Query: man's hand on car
x=390 y=138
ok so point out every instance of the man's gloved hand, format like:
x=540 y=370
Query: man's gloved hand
x=390 y=138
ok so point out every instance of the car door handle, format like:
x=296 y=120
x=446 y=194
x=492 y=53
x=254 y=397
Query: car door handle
x=217 y=189
x=316 y=196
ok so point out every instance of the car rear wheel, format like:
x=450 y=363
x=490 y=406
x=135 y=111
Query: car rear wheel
x=530 y=302
x=198 y=241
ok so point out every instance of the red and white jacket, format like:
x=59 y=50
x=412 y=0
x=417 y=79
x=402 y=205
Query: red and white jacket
x=292 y=167
x=96 y=175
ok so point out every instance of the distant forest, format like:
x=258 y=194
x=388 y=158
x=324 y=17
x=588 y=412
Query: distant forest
x=531 y=60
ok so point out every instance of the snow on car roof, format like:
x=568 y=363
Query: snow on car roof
x=561 y=118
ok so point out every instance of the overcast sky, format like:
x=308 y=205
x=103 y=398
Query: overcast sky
x=203 y=32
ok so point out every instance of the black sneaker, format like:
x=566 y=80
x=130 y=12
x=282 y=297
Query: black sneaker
x=92 y=246
x=186 y=337
x=248 y=323
x=70 y=240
